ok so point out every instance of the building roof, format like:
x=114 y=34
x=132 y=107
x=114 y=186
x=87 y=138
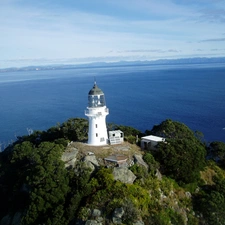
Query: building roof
x=116 y=158
x=153 y=138
x=115 y=132
x=95 y=90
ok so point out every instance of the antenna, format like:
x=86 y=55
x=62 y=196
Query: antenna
x=94 y=80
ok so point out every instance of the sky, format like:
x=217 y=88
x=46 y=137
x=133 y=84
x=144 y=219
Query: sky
x=47 y=32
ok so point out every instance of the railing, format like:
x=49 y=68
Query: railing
x=87 y=111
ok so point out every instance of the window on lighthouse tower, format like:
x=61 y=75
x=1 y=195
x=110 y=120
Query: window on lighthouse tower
x=96 y=101
x=102 y=100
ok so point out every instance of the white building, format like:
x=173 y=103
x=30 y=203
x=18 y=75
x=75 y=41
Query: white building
x=116 y=137
x=150 y=142
x=96 y=113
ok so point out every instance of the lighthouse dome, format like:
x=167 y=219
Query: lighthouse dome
x=96 y=97
x=95 y=90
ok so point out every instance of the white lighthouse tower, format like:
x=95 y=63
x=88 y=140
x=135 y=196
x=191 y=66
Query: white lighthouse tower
x=96 y=113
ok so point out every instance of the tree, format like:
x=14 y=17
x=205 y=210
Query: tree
x=182 y=156
x=172 y=130
x=45 y=177
x=211 y=203
x=152 y=164
x=81 y=187
x=216 y=151
x=75 y=129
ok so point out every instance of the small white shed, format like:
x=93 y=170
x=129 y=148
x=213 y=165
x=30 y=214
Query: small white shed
x=116 y=137
x=150 y=142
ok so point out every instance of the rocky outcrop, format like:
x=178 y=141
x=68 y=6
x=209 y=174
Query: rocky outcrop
x=117 y=215
x=92 y=222
x=138 y=159
x=95 y=218
x=139 y=222
x=124 y=175
x=91 y=162
x=158 y=174
x=69 y=157
x=92 y=159
x=96 y=213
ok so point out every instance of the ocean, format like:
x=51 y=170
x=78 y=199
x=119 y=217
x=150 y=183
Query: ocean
x=137 y=96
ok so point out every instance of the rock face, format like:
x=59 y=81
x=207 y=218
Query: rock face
x=124 y=175
x=158 y=174
x=139 y=223
x=91 y=162
x=92 y=159
x=96 y=213
x=69 y=157
x=117 y=215
x=138 y=159
x=95 y=219
x=92 y=222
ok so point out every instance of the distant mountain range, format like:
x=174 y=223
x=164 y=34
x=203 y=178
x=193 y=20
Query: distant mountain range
x=198 y=60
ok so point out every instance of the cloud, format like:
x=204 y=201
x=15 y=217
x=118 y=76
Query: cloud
x=216 y=15
x=148 y=51
x=213 y=40
x=57 y=30
x=154 y=10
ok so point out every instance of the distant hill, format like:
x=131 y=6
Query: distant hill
x=198 y=60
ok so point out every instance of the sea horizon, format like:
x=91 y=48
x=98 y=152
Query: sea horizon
x=137 y=96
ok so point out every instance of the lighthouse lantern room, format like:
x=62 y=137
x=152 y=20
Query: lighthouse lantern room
x=96 y=113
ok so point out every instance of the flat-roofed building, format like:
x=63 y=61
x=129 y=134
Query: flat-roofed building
x=150 y=142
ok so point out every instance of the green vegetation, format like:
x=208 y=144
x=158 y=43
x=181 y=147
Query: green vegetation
x=181 y=150
x=216 y=152
x=36 y=188
x=72 y=130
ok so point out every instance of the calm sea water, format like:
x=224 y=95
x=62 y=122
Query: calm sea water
x=137 y=96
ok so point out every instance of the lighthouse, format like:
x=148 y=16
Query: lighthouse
x=96 y=113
